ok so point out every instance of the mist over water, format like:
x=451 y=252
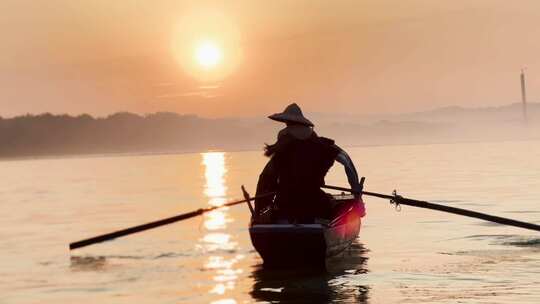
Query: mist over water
x=127 y=133
x=412 y=256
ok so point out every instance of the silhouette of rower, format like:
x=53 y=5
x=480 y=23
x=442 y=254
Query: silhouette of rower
x=299 y=161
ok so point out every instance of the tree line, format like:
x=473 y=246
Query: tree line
x=48 y=134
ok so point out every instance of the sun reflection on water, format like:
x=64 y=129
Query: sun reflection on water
x=215 y=220
x=214 y=174
x=217 y=241
x=224 y=301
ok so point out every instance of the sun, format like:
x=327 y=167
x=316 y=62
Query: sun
x=207 y=44
x=208 y=54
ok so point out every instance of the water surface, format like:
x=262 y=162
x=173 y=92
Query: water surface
x=412 y=256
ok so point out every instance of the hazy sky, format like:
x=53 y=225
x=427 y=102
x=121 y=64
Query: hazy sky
x=361 y=56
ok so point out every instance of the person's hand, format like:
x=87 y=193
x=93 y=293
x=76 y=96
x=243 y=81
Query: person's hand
x=357 y=188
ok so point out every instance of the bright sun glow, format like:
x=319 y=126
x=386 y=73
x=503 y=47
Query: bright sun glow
x=208 y=54
x=207 y=44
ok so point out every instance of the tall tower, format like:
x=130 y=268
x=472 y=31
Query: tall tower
x=523 y=95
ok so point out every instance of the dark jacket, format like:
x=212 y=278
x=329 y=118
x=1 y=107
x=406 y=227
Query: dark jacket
x=296 y=170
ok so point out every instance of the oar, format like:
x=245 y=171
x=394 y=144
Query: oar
x=399 y=200
x=158 y=223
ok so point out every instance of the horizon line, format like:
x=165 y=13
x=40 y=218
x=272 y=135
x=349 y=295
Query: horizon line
x=145 y=114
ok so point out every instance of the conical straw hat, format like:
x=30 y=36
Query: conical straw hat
x=292 y=113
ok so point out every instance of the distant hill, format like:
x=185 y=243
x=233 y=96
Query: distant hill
x=56 y=135
x=511 y=113
x=48 y=134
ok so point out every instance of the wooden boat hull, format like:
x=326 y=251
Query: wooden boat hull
x=284 y=244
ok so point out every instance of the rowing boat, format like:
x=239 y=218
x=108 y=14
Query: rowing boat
x=281 y=243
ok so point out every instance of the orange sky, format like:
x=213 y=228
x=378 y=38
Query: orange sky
x=101 y=56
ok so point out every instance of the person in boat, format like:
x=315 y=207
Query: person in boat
x=299 y=161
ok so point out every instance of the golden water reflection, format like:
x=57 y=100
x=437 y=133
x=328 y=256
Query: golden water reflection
x=215 y=189
x=217 y=241
x=224 y=301
x=216 y=220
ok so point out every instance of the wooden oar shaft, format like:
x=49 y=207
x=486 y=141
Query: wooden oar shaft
x=379 y=195
x=443 y=208
x=158 y=223
x=131 y=230
x=469 y=213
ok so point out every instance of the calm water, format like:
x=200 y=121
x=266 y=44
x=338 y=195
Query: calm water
x=412 y=256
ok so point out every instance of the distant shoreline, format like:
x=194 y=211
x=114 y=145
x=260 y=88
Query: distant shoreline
x=181 y=152
x=125 y=134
